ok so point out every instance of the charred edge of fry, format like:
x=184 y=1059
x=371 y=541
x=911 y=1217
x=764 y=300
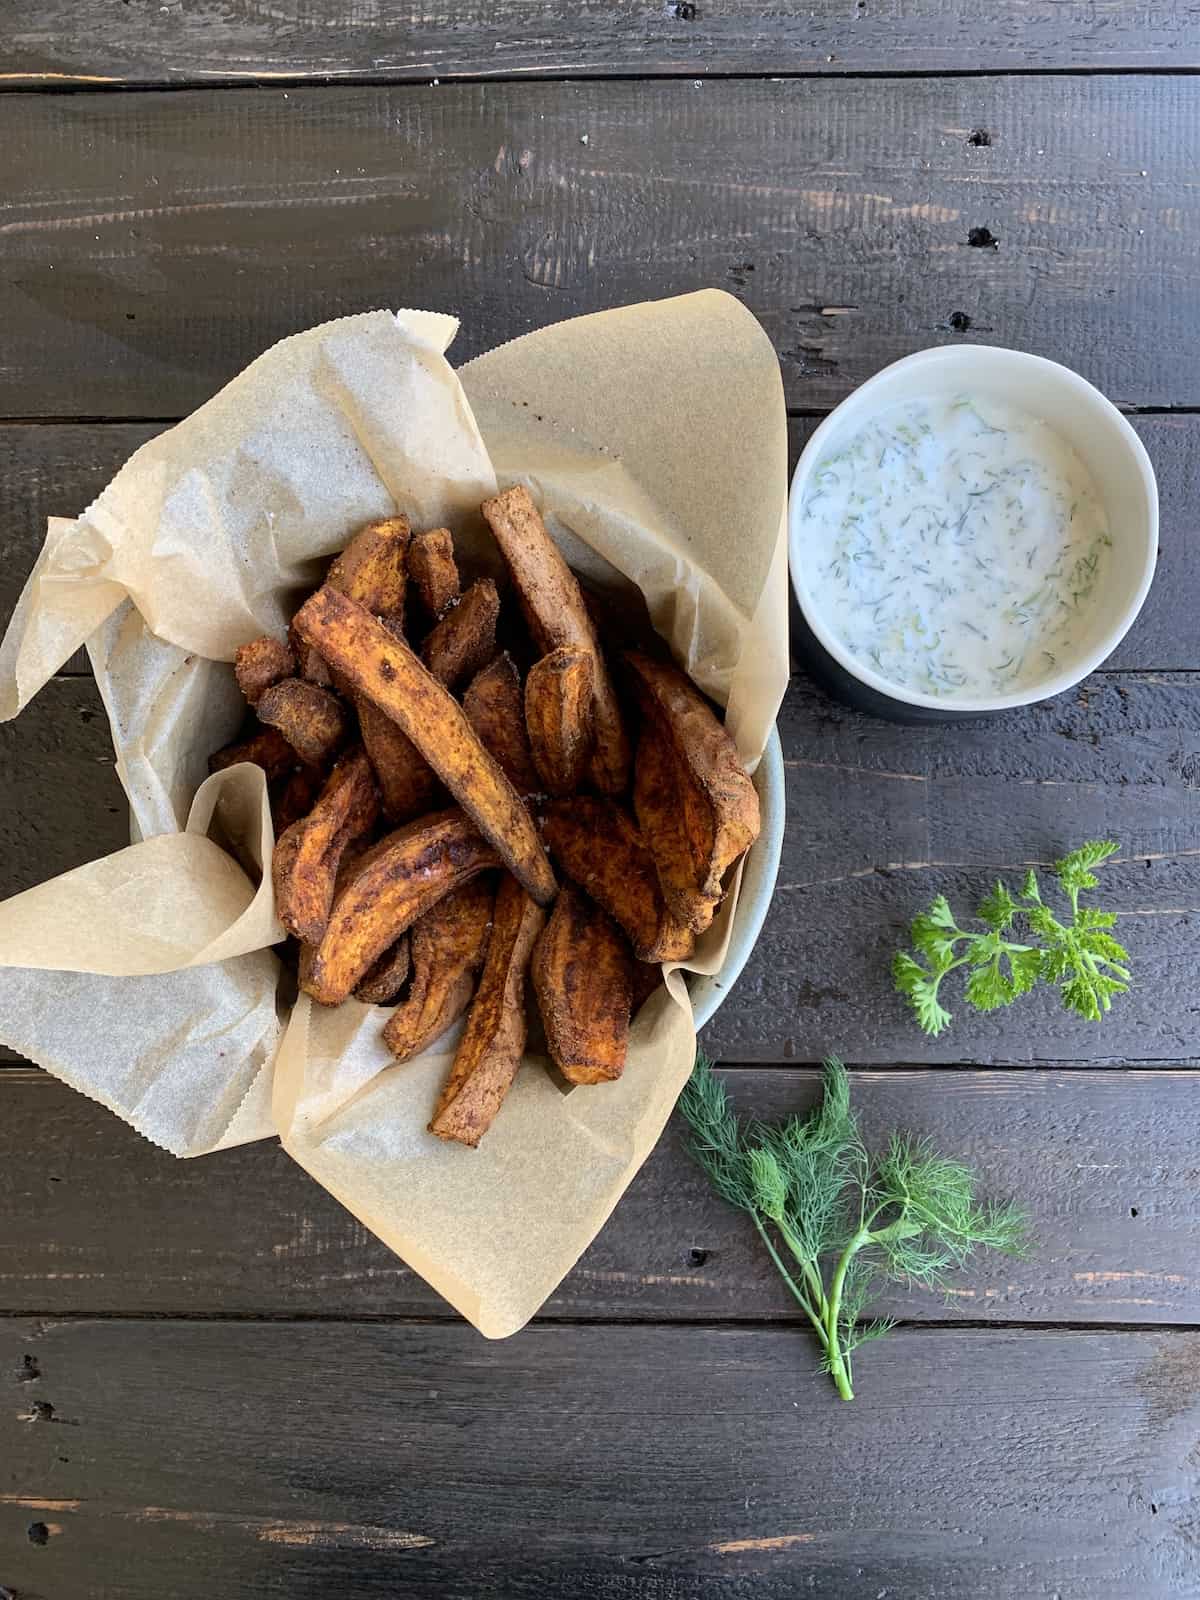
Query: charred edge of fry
x=557 y=613
x=490 y=1051
x=448 y=947
x=465 y=639
x=384 y=979
x=267 y=749
x=582 y=972
x=312 y=720
x=385 y=670
x=397 y=881
x=495 y=708
x=560 y=716
x=372 y=570
x=259 y=665
x=433 y=569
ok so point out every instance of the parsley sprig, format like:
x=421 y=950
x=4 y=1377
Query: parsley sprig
x=1080 y=956
x=847 y=1221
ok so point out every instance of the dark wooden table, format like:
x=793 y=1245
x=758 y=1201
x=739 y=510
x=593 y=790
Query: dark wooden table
x=215 y=1382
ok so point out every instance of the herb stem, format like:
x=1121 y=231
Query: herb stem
x=798 y=1293
x=838 y=1363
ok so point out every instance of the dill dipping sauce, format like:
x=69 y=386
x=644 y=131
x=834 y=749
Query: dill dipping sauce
x=953 y=545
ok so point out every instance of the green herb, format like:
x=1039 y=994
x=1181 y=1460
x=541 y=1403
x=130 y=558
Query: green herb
x=1080 y=956
x=847 y=1220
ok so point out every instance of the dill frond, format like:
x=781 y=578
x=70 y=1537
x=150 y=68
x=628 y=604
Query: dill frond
x=835 y=1222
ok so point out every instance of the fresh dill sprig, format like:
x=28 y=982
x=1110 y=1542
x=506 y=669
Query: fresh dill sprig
x=835 y=1221
x=1081 y=956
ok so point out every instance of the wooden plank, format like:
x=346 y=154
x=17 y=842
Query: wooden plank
x=880 y=819
x=54 y=471
x=192 y=1459
x=60 y=800
x=1105 y=1161
x=89 y=44
x=57 y=469
x=155 y=242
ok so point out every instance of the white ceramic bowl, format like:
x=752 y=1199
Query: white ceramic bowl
x=1104 y=442
x=758 y=885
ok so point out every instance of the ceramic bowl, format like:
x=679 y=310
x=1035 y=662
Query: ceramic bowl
x=1104 y=442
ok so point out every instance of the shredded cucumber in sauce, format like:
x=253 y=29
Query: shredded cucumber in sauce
x=954 y=544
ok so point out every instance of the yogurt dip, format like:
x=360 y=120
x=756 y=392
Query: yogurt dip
x=953 y=545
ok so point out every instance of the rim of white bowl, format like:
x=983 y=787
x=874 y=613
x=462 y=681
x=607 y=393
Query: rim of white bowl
x=1058 y=682
x=710 y=991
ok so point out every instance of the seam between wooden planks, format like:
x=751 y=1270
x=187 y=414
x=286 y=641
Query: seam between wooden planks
x=224 y=79
x=785 y=1324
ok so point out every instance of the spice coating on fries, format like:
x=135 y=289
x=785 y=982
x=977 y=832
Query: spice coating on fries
x=420 y=791
x=583 y=979
x=554 y=607
x=433 y=570
x=490 y=1052
x=495 y=708
x=696 y=806
x=384 y=669
x=560 y=717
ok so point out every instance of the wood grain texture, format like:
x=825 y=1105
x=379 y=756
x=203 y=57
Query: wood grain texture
x=60 y=800
x=879 y=820
x=1106 y=1161
x=153 y=243
x=882 y=818
x=196 y=41
x=193 y=1459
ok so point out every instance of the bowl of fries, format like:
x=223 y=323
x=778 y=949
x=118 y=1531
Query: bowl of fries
x=477 y=803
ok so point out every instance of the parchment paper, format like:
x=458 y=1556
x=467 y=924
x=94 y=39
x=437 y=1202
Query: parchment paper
x=654 y=438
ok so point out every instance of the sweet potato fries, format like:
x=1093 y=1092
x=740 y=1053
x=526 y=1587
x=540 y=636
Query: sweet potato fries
x=421 y=791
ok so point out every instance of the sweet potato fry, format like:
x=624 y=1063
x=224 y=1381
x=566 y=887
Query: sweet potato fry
x=557 y=615
x=582 y=976
x=383 y=981
x=267 y=749
x=696 y=806
x=405 y=777
x=295 y=797
x=559 y=717
x=307 y=856
x=384 y=669
x=465 y=639
x=373 y=569
x=490 y=1051
x=433 y=569
x=597 y=845
x=396 y=881
x=406 y=780
x=259 y=664
x=312 y=720
x=448 y=946
x=494 y=707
